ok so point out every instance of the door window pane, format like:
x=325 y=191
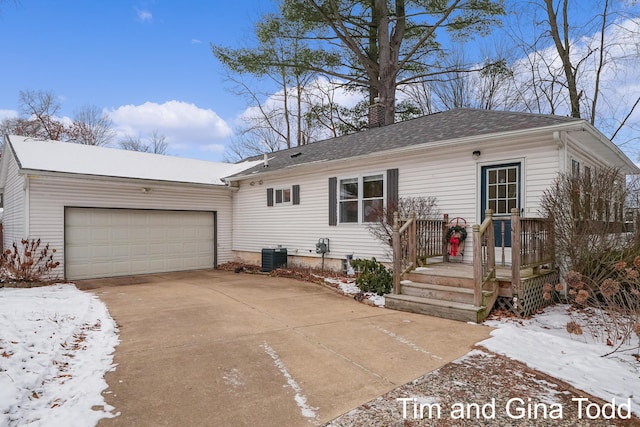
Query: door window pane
x=502 y=189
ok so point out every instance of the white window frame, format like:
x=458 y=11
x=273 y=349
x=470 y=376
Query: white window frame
x=360 y=200
x=282 y=190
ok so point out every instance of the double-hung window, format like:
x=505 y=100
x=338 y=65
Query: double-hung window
x=361 y=199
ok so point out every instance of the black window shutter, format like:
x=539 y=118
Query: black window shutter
x=295 y=197
x=269 y=196
x=333 y=201
x=392 y=192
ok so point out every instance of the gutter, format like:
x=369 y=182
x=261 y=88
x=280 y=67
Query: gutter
x=560 y=137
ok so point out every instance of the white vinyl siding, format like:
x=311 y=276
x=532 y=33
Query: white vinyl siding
x=49 y=195
x=14 y=198
x=448 y=173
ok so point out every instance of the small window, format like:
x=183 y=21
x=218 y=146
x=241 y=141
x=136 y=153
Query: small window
x=575 y=168
x=283 y=196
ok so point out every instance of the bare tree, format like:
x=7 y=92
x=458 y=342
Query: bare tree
x=156 y=143
x=40 y=108
x=587 y=211
x=91 y=126
x=382 y=229
x=591 y=42
x=488 y=85
x=133 y=143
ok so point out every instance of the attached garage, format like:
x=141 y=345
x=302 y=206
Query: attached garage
x=110 y=212
x=122 y=242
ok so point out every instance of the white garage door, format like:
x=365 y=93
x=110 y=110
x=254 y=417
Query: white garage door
x=120 y=242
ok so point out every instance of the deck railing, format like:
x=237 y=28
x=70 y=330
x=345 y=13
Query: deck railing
x=531 y=245
x=404 y=248
x=484 y=256
x=415 y=241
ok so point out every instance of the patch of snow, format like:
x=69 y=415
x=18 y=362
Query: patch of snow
x=301 y=400
x=348 y=287
x=544 y=344
x=406 y=342
x=56 y=344
x=66 y=157
x=377 y=300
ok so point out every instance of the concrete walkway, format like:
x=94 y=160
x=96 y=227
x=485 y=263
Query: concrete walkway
x=214 y=348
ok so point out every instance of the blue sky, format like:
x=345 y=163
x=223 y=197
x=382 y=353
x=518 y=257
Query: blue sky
x=149 y=63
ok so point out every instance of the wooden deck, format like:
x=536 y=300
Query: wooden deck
x=426 y=280
x=446 y=290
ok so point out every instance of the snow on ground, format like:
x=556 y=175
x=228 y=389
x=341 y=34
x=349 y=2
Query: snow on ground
x=544 y=344
x=348 y=287
x=56 y=344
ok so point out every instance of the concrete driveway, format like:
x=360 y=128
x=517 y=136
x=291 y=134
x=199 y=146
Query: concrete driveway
x=215 y=348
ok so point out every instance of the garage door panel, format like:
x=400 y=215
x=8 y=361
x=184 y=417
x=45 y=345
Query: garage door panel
x=115 y=242
x=159 y=249
x=102 y=251
x=138 y=232
x=96 y=234
x=120 y=251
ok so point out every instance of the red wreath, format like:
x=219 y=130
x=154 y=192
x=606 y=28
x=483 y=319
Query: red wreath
x=456 y=235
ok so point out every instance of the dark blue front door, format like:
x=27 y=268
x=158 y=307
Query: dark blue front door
x=501 y=193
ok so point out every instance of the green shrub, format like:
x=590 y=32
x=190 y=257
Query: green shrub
x=372 y=276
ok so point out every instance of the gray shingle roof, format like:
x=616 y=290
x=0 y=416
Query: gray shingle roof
x=448 y=125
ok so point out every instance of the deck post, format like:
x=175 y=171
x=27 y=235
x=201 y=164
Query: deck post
x=412 y=239
x=397 y=254
x=516 y=242
x=445 y=226
x=491 y=242
x=477 y=265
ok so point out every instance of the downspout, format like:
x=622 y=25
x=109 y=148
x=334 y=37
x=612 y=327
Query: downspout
x=563 y=155
x=25 y=187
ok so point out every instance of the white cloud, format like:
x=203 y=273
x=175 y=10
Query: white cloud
x=145 y=16
x=8 y=114
x=196 y=41
x=183 y=124
x=214 y=148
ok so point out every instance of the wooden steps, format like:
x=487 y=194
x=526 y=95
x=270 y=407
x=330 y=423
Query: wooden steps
x=443 y=292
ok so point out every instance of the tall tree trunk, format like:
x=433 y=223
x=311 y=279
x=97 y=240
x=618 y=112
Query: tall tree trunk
x=563 y=47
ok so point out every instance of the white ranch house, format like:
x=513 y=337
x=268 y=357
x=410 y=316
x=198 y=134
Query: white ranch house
x=112 y=212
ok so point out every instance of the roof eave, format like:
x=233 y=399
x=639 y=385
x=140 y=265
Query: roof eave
x=633 y=168
x=577 y=125
x=38 y=172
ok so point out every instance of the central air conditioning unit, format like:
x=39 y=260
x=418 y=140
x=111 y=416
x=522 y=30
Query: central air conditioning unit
x=273 y=258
